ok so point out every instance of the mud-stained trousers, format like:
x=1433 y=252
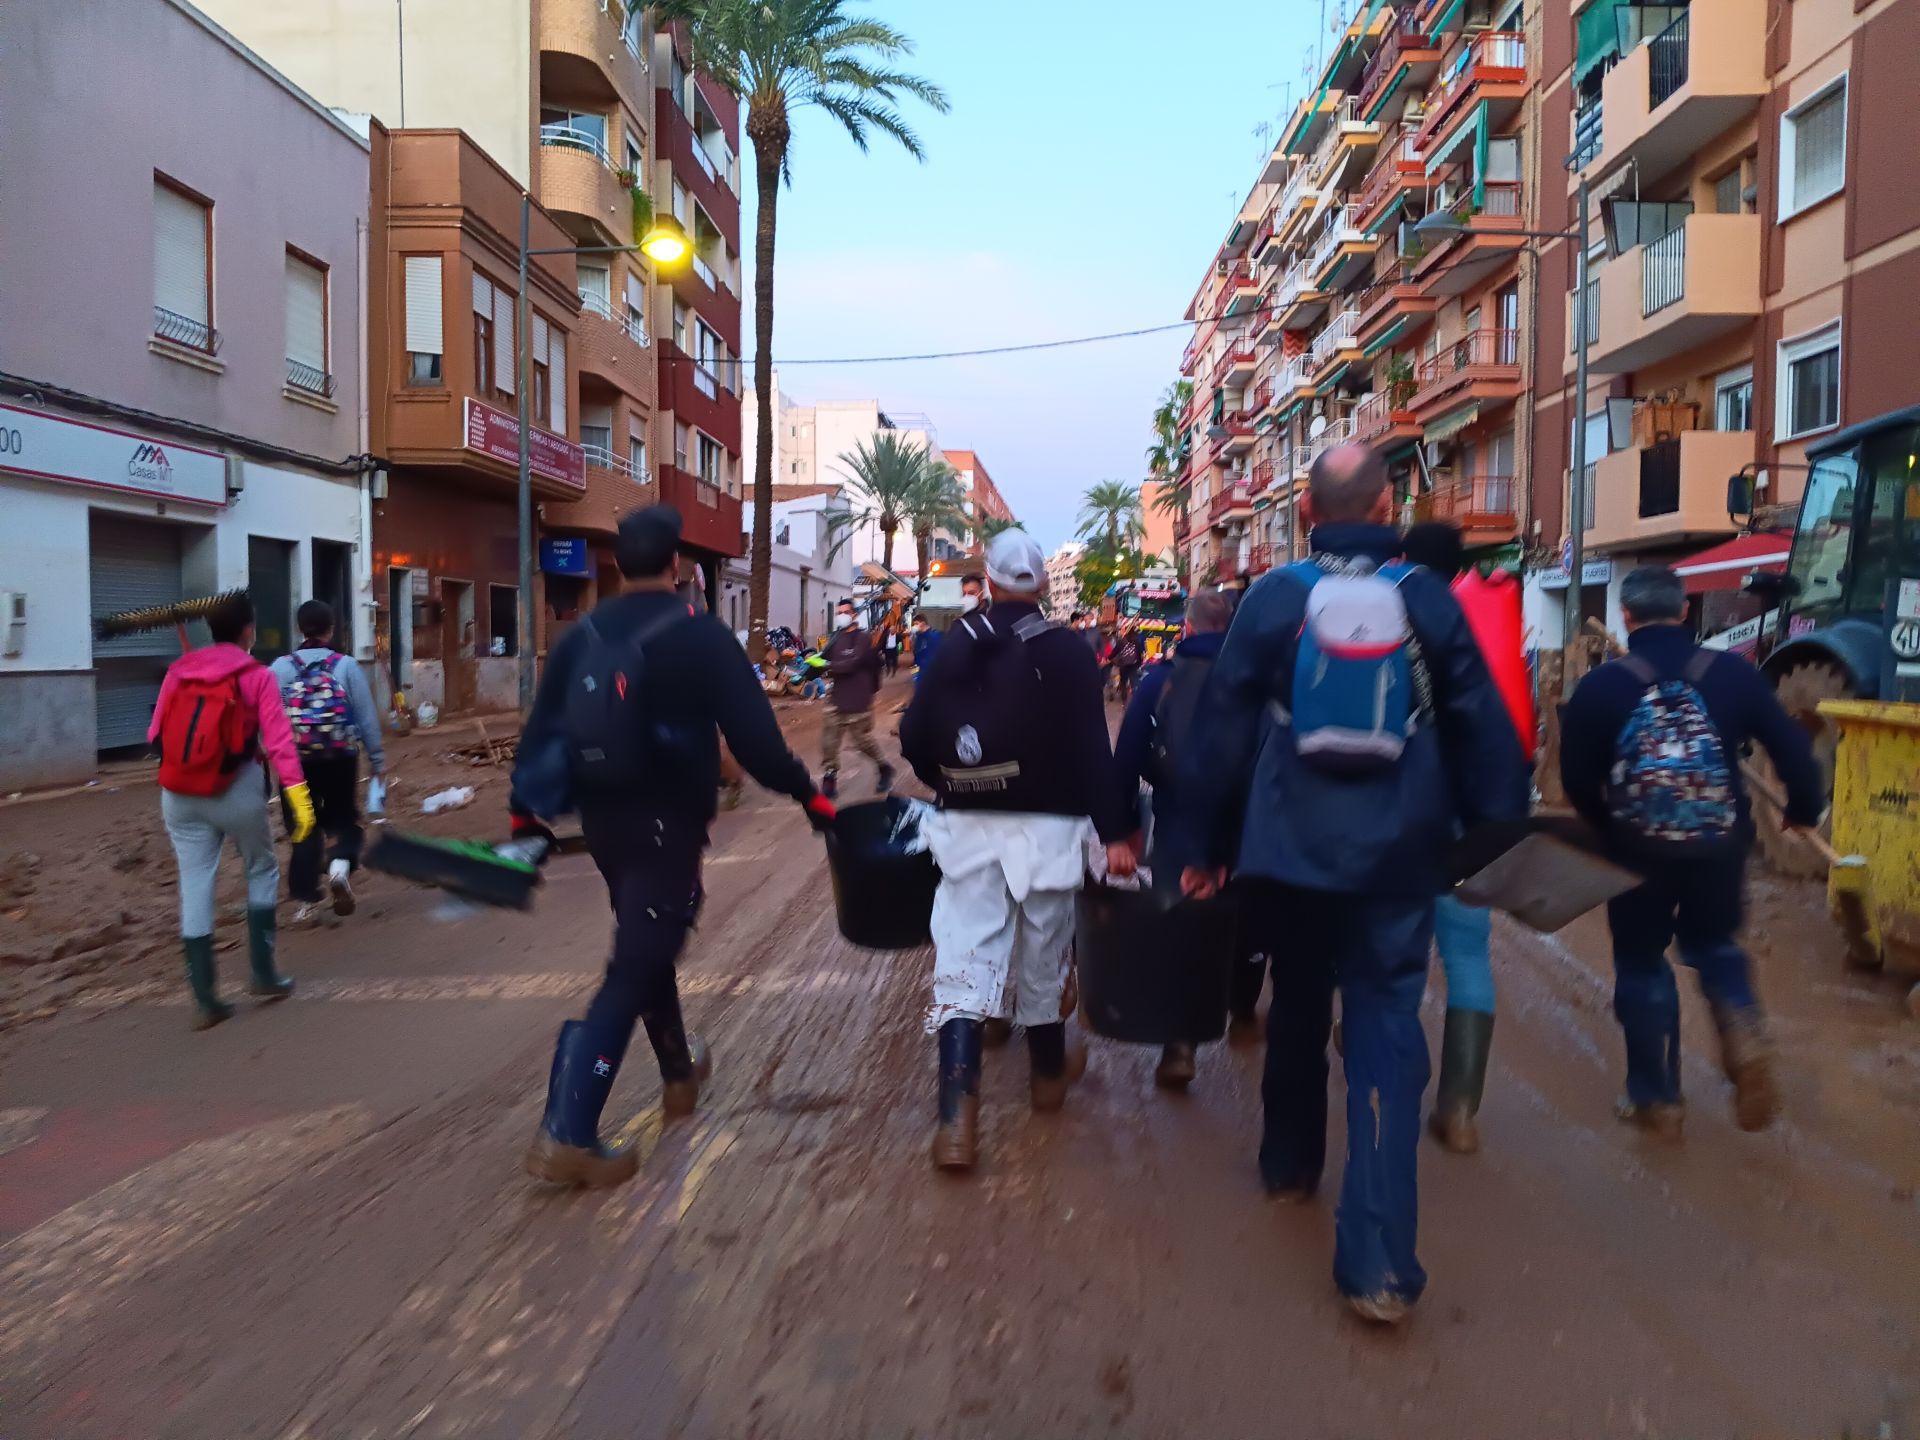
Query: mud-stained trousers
x=1375 y=950
x=1003 y=915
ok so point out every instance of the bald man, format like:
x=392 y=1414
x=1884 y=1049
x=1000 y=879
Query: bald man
x=1343 y=847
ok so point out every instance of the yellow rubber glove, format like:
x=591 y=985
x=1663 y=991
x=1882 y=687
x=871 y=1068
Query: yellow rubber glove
x=300 y=801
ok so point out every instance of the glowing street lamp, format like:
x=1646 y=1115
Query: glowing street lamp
x=666 y=242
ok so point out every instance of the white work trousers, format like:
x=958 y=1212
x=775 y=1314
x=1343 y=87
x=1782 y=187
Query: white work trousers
x=1003 y=916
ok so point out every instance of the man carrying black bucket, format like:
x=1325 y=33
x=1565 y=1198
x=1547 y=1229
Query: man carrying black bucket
x=1009 y=730
x=624 y=729
x=1351 y=731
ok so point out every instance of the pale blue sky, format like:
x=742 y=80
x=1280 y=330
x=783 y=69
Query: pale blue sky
x=1092 y=160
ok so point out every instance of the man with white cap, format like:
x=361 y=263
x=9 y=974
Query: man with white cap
x=1009 y=729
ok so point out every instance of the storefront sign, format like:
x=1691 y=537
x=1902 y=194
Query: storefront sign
x=496 y=434
x=563 y=557
x=1743 y=637
x=1592 y=572
x=79 y=452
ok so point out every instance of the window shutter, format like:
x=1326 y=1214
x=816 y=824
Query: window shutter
x=306 y=314
x=504 y=358
x=557 y=377
x=1819 y=147
x=180 y=231
x=637 y=303
x=539 y=337
x=423 y=304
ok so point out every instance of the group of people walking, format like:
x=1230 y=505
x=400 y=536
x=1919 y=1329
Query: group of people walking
x=226 y=726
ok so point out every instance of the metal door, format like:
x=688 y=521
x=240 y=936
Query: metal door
x=131 y=564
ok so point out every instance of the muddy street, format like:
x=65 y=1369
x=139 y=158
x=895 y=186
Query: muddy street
x=311 y=1222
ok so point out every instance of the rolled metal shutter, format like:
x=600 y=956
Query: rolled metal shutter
x=131 y=564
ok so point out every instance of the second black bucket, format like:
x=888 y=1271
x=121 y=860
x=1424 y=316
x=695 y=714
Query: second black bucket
x=1155 y=969
x=882 y=893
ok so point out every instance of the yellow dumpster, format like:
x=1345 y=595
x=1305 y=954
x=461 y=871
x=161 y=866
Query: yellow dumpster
x=1876 y=813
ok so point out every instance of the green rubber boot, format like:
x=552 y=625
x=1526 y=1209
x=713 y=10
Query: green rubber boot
x=208 y=1009
x=268 y=983
x=1464 y=1046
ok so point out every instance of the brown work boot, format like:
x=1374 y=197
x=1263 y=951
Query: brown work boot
x=1663 y=1120
x=1746 y=1053
x=595 y=1167
x=1176 y=1068
x=680 y=1098
x=1244 y=1032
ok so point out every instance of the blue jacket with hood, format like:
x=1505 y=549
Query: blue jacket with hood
x=1270 y=816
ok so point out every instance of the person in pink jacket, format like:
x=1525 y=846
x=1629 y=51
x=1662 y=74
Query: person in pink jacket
x=219 y=715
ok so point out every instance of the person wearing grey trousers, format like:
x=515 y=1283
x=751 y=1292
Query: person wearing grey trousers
x=218 y=717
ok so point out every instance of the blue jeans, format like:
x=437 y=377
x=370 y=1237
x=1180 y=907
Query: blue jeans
x=1375 y=949
x=1699 y=903
x=1464 y=936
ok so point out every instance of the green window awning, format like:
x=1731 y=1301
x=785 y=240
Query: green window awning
x=1598 y=39
x=1468 y=133
x=1452 y=423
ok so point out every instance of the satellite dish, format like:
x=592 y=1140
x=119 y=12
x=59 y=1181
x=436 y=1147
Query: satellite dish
x=1317 y=428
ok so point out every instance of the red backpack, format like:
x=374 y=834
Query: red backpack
x=207 y=733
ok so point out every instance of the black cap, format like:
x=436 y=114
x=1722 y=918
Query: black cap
x=648 y=541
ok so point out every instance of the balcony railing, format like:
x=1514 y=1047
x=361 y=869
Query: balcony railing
x=635 y=327
x=1189 y=356
x=1388 y=174
x=1262 y=476
x=1586 y=134
x=601 y=457
x=1293 y=375
x=1485 y=498
x=1667 y=61
x=1343 y=228
x=1406 y=35
x=1295 y=284
x=1338 y=334
x=1262 y=396
x=1489 y=50
x=1500 y=199
x=1663 y=271
x=1234 y=353
x=1482 y=348
x=1336 y=432
x=309 y=378
x=1230 y=498
x=1374 y=415
x=1592 y=319
x=1659 y=478
x=1347 y=112
x=568 y=137
x=194 y=334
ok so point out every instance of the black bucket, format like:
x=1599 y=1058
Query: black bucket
x=1155 y=969
x=882 y=895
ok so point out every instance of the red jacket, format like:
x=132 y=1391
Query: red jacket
x=1493 y=611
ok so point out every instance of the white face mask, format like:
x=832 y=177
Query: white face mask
x=969 y=604
x=844 y=622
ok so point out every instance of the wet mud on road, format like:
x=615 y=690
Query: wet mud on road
x=311 y=1223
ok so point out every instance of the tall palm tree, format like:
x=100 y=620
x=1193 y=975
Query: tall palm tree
x=887 y=475
x=988 y=526
x=778 y=56
x=938 y=502
x=1169 y=416
x=1110 y=513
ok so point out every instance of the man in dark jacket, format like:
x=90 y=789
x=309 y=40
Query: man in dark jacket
x=1009 y=730
x=1348 y=866
x=1694 y=888
x=855 y=666
x=1154 y=735
x=926 y=644
x=646 y=840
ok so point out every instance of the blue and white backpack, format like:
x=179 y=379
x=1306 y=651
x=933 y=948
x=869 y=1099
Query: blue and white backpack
x=1670 y=779
x=1355 y=680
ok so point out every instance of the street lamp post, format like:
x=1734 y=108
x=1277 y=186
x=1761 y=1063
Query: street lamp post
x=1442 y=224
x=666 y=244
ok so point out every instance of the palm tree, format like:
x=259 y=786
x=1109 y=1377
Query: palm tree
x=1110 y=513
x=887 y=474
x=938 y=502
x=988 y=526
x=1164 y=455
x=778 y=56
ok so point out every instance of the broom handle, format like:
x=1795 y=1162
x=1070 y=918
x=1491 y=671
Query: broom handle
x=1756 y=782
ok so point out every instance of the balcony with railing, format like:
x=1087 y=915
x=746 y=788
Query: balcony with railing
x=1493 y=68
x=1343 y=152
x=582 y=188
x=1669 y=98
x=1386 y=415
x=184 y=331
x=614 y=489
x=677 y=141
x=593 y=49
x=309 y=380
x=1342 y=251
x=1237 y=359
x=1667 y=492
x=1337 y=342
x=1239 y=288
x=1400 y=69
x=710 y=518
x=1699 y=281
x=1190 y=357
x=1235 y=432
x=1296 y=203
x=1494 y=212
x=1294 y=379
x=1233 y=502
x=1588 y=132
x=1483 y=366
x=1298 y=301
x=1262 y=477
x=613 y=346
x=1392 y=308
x=1398 y=170
x=1480 y=503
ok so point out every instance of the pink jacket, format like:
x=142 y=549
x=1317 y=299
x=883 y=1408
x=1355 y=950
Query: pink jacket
x=257 y=688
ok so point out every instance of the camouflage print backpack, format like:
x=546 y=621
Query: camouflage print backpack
x=1670 y=779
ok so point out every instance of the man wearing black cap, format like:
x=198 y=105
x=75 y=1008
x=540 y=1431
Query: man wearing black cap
x=632 y=696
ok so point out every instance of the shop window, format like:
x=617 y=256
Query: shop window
x=503 y=620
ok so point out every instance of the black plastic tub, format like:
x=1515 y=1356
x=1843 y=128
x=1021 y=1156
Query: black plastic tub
x=1155 y=969
x=882 y=895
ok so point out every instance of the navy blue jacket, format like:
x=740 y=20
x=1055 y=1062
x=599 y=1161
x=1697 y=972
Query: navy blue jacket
x=1385 y=834
x=1741 y=705
x=1137 y=762
x=926 y=644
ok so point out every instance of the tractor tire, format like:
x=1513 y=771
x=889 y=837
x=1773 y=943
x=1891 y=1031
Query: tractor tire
x=1801 y=689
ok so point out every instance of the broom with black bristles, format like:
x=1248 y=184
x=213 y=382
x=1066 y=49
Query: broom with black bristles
x=159 y=617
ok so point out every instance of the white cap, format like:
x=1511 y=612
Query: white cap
x=1016 y=562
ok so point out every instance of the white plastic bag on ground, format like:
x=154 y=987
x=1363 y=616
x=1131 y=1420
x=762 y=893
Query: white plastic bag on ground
x=456 y=798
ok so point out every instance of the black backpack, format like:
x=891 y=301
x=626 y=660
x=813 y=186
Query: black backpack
x=610 y=740
x=988 y=706
x=1174 y=710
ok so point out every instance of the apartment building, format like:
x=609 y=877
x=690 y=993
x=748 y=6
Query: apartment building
x=442 y=382
x=181 y=409
x=984 y=500
x=1063 y=591
x=1324 y=317
x=1753 y=265
x=587 y=105
x=811 y=571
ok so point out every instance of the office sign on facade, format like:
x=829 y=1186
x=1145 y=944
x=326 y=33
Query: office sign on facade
x=79 y=452
x=563 y=556
x=496 y=434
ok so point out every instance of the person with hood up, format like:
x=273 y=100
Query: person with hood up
x=1009 y=731
x=219 y=714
